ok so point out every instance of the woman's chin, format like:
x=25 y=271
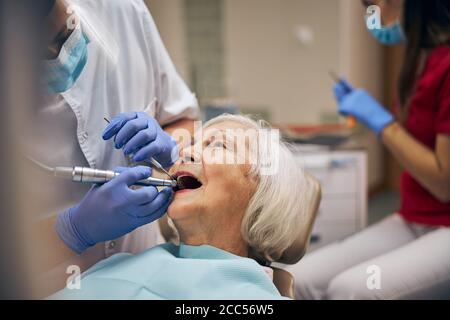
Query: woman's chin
x=178 y=210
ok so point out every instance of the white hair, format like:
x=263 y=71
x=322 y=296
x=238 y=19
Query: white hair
x=275 y=216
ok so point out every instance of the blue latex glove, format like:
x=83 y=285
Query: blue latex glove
x=112 y=210
x=360 y=104
x=141 y=135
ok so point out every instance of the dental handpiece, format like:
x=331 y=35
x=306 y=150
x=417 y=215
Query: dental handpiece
x=89 y=175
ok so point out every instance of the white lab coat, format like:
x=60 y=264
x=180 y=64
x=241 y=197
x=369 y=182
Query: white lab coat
x=68 y=130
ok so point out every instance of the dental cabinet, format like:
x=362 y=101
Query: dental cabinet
x=343 y=177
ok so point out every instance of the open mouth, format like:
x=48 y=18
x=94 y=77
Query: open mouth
x=186 y=181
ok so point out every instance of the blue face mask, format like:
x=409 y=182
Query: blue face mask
x=63 y=72
x=390 y=35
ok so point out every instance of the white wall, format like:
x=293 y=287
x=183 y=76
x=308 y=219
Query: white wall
x=169 y=18
x=268 y=66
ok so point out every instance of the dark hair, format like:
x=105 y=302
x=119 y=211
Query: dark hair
x=427 y=25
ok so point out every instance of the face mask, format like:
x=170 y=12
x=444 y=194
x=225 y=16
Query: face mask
x=391 y=35
x=62 y=72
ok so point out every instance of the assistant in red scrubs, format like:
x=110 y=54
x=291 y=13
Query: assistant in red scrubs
x=428 y=122
x=406 y=255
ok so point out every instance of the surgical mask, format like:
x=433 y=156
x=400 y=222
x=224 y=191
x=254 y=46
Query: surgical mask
x=63 y=72
x=390 y=35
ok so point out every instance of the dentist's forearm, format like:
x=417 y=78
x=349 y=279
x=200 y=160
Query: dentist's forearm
x=431 y=168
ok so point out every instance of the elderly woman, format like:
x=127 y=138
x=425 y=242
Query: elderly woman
x=231 y=212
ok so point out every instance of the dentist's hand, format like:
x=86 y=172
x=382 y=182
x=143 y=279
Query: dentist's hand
x=359 y=104
x=140 y=134
x=112 y=210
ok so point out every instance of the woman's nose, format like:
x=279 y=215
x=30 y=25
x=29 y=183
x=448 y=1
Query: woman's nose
x=190 y=155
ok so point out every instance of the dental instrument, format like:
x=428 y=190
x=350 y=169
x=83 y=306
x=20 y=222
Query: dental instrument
x=351 y=121
x=337 y=79
x=90 y=175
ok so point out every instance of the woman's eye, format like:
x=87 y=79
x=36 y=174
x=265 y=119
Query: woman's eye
x=217 y=144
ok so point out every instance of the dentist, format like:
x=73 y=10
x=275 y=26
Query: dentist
x=105 y=58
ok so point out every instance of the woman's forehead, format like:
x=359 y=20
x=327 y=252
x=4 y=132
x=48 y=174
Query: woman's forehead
x=228 y=130
x=226 y=125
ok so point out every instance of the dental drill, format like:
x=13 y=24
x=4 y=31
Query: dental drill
x=90 y=175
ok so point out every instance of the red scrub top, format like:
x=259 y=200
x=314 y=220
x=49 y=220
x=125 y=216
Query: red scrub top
x=429 y=116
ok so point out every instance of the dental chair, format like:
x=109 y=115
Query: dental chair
x=282 y=279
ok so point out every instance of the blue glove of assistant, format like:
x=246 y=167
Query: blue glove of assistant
x=112 y=210
x=141 y=135
x=359 y=104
